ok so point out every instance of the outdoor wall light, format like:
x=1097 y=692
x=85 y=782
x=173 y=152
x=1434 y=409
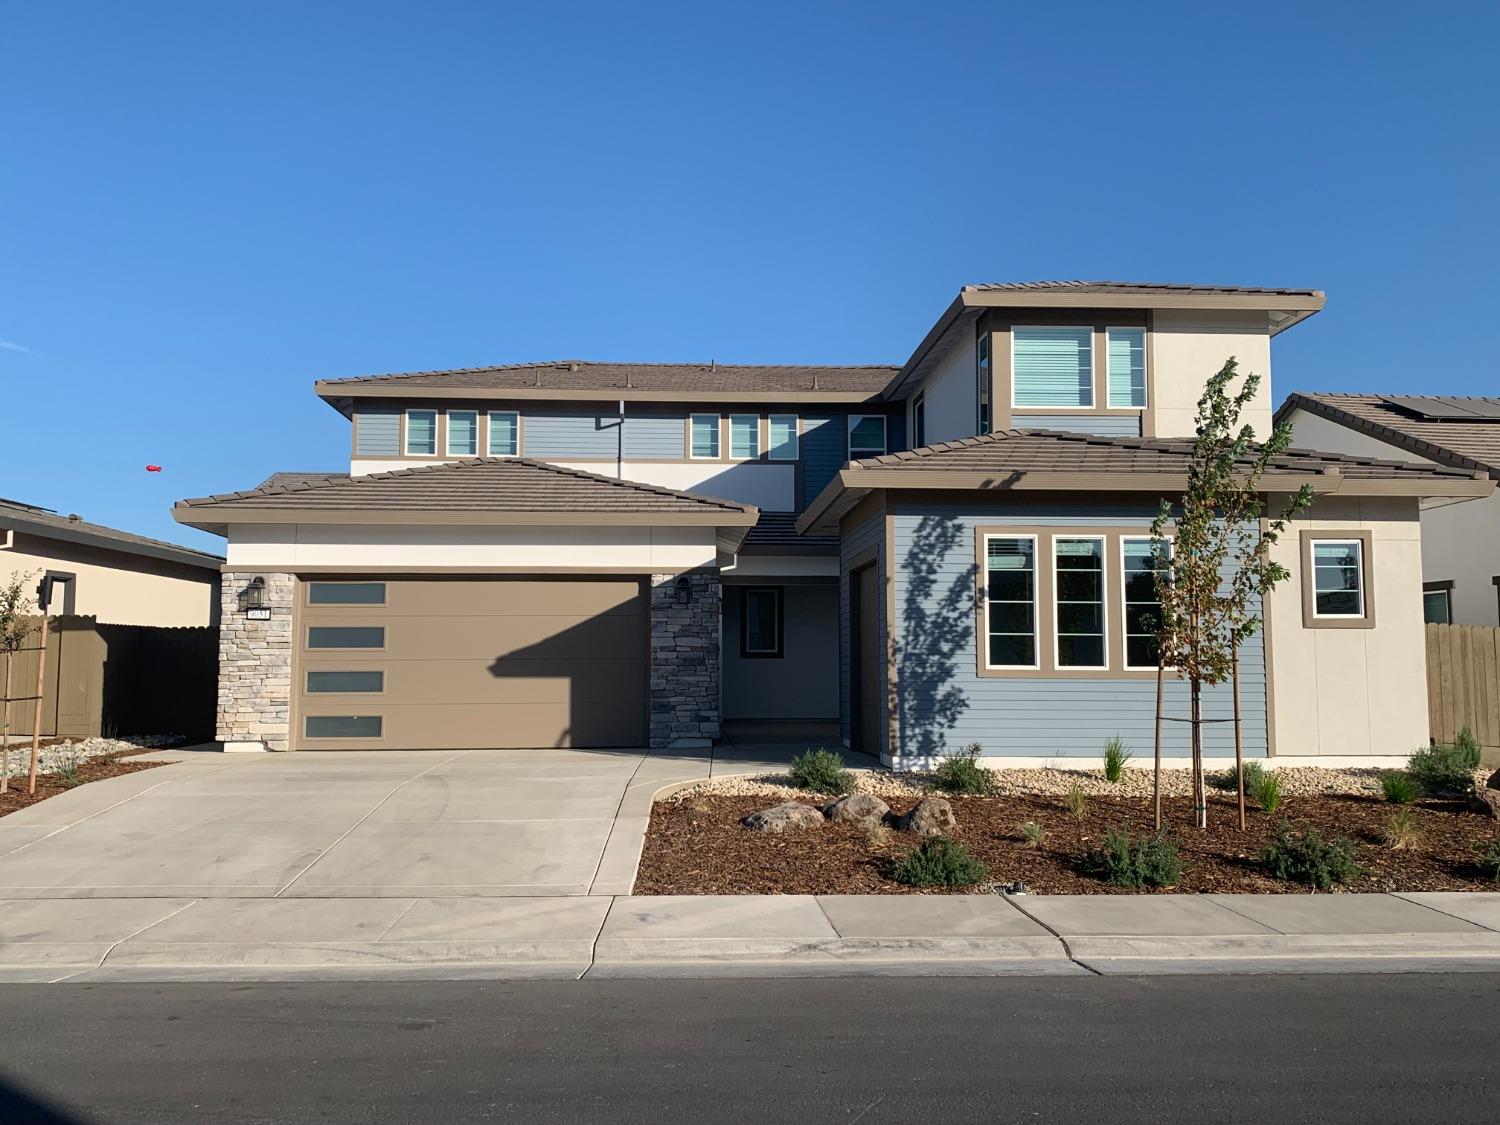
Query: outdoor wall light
x=253 y=596
x=684 y=591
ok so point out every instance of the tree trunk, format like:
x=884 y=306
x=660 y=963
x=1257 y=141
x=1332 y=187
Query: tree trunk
x=1239 y=744
x=36 y=711
x=1200 y=795
x=1156 y=777
x=5 y=730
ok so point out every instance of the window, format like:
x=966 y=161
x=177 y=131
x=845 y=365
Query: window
x=1142 y=569
x=1126 y=348
x=1052 y=367
x=760 y=621
x=345 y=681
x=421 y=433
x=342 y=726
x=1010 y=601
x=866 y=435
x=463 y=433
x=345 y=636
x=1338 y=578
x=1437 y=603
x=919 y=421
x=346 y=593
x=1078 y=563
x=703 y=440
x=982 y=381
x=505 y=433
x=744 y=436
x=781 y=437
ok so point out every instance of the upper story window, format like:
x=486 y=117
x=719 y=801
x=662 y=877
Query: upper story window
x=1052 y=367
x=744 y=436
x=463 y=433
x=1126 y=349
x=505 y=433
x=982 y=383
x=703 y=436
x=866 y=435
x=781 y=437
x=421 y=433
x=1437 y=603
x=919 y=421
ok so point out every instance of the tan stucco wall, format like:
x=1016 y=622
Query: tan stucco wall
x=1187 y=347
x=1352 y=691
x=118 y=588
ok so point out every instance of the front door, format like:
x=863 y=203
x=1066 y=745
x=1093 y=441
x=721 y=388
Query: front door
x=867 y=663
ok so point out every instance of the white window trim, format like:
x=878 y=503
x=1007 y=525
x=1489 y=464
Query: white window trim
x=448 y=434
x=1057 y=664
x=1109 y=403
x=1446 y=593
x=1093 y=373
x=1359 y=552
x=406 y=433
x=885 y=436
x=918 y=406
x=489 y=424
x=1124 y=609
x=733 y=456
x=796 y=437
x=718 y=420
x=1036 y=607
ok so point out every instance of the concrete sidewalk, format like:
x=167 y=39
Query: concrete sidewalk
x=163 y=939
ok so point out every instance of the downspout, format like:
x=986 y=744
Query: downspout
x=620 y=444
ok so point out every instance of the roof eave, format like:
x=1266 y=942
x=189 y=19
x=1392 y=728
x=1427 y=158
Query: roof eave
x=338 y=395
x=216 y=517
x=164 y=552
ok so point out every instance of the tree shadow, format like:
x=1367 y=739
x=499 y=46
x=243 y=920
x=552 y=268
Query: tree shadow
x=936 y=624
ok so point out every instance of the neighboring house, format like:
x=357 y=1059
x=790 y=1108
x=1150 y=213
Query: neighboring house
x=1460 y=540
x=114 y=576
x=592 y=554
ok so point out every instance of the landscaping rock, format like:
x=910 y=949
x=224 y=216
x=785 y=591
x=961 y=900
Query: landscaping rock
x=1487 y=800
x=792 y=814
x=1494 y=781
x=932 y=816
x=862 y=809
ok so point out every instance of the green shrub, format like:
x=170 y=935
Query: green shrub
x=1266 y=791
x=1303 y=856
x=1078 y=803
x=1446 y=769
x=1032 y=833
x=1152 y=862
x=821 y=771
x=962 y=773
x=938 y=862
x=1226 y=779
x=1116 y=754
x=65 y=766
x=1489 y=859
x=1398 y=787
x=1401 y=831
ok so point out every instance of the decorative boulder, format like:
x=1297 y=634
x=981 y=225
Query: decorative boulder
x=932 y=816
x=792 y=814
x=1494 y=781
x=1487 y=799
x=862 y=809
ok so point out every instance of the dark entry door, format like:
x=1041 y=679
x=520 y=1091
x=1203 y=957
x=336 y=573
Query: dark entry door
x=867 y=663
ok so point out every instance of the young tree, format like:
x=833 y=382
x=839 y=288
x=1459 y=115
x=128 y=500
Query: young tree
x=15 y=627
x=1218 y=566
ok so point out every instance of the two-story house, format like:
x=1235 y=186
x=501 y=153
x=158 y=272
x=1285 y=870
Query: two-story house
x=953 y=550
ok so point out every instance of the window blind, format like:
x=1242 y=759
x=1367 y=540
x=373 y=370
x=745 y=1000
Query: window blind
x=1127 y=367
x=1052 y=366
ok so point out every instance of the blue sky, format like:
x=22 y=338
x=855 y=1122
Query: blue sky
x=207 y=206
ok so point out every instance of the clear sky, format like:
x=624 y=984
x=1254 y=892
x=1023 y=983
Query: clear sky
x=206 y=206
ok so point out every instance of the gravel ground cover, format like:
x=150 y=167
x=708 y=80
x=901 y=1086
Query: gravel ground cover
x=96 y=768
x=62 y=752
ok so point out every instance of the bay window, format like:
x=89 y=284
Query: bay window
x=1010 y=601
x=1078 y=573
x=1142 y=568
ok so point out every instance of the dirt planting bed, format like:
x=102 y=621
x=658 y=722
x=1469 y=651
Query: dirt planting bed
x=696 y=845
x=51 y=784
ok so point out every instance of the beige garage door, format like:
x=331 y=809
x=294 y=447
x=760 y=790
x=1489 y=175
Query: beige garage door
x=433 y=663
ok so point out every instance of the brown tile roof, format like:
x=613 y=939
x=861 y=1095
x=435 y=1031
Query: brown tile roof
x=517 y=485
x=587 y=375
x=1464 y=444
x=1044 y=451
x=45 y=523
x=1145 y=288
x=776 y=533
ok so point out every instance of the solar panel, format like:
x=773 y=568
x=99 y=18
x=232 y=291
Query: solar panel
x=1448 y=409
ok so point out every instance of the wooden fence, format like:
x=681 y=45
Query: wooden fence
x=1463 y=682
x=117 y=679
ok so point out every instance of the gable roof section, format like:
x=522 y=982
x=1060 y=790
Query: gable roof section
x=1471 y=443
x=1031 y=460
x=585 y=379
x=46 y=524
x=514 y=490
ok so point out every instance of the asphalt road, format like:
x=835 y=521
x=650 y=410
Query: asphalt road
x=1410 y=1048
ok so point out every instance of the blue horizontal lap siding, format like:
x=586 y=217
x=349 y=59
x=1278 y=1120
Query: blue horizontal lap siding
x=825 y=448
x=869 y=534
x=945 y=704
x=598 y=435
x=377 y=433
x=1105 y=425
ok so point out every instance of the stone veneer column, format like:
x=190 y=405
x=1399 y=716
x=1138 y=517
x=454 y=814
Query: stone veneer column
x=255 y=666
x=684 y=661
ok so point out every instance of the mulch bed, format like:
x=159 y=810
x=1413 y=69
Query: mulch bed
x=50 y=784
x=698 y=846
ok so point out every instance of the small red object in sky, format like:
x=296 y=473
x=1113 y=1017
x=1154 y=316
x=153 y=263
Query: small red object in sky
x=153 y=468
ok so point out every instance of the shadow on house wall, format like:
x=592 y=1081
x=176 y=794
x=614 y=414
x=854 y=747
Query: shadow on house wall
x=937 y=623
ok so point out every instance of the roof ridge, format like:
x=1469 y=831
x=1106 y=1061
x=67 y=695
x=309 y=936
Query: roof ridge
x=565 y=364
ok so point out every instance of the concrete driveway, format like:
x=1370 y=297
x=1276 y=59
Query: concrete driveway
x=347 y=825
